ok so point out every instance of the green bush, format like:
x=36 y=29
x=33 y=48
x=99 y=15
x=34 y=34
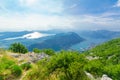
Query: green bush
x=5 y=63
x=46 y=51
x=113 y=71
x=68 y=63
x=26 y=66
x=18 y=48
x=16 y=70
x=36 y=50
x=63 y=66
x=1 y=77
x=49 y=52
x=7 y=68
x=95 y=67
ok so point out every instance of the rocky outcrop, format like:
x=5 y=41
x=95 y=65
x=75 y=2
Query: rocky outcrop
x=30 y=57
x=92 y=58
x=91 y=77
x=105 y=77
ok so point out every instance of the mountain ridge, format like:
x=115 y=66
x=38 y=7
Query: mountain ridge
x=59 y=41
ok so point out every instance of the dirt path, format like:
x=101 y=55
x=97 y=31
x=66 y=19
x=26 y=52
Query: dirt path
x=23 y=75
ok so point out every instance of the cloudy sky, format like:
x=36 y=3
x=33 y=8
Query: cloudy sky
x=59 y=14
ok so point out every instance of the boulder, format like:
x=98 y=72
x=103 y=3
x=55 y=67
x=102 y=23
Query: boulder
x=105 y=77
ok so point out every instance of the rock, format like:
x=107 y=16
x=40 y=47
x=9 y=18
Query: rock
x=92 y=58
x=34 y=57
x=105 y=77
x=89 y=76
x=31 y=57
x=16 y=55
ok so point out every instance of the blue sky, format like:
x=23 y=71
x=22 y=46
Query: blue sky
x=59 y=14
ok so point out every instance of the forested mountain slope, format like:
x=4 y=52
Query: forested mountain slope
x=105 y=59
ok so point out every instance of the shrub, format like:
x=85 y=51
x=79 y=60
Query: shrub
x=26 y=66
x=63 y=66
x=68 y=63
x=36 y=73
x=6 y=64
x=95 y=67
x=16 y=70
x=49 y=52
x=36 y=50
x=18 y=48
x=1 y=78
x=113 y=71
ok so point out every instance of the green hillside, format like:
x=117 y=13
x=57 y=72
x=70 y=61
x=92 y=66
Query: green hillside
x=105 y=59
x=107 y=49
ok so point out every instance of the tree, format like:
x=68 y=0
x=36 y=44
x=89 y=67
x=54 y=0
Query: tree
x=49 y=51
x=18 y=48
x=36 y=50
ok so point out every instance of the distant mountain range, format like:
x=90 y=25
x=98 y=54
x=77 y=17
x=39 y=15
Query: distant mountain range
x=56 y=39
x=94 y=38
x=36 y=39
x=99 y=34
x=59 y=41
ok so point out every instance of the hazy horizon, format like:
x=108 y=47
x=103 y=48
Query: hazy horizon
x=28 y=15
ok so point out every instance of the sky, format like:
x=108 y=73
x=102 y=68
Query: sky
x=17 y=15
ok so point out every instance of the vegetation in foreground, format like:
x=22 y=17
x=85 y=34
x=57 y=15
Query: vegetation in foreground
x=9 y=68
x=65 y=65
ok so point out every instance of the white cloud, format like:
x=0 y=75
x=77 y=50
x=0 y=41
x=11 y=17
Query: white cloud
x=117 y=4
x=33 y=22
x=46 y=22
x=33 y=35
x=51 y=6
x=28 y=2
x=33 y=17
